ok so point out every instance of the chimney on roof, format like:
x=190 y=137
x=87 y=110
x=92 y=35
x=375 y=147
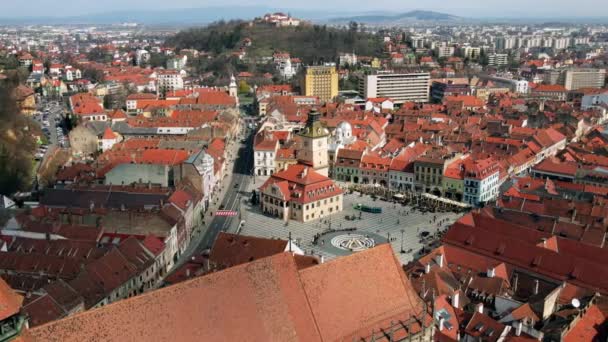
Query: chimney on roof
x=479 y=307
x=491 y=272
x=456 y=299
x=427 y=268
x=439 y=260
x=518 y=328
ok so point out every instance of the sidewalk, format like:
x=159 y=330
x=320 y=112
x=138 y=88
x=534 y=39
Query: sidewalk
x=198 y=233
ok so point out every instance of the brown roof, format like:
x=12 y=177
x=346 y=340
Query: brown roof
x=343 y=301
x=258 y=301
x=264 y=300
x=232 y=250
x=10 y=302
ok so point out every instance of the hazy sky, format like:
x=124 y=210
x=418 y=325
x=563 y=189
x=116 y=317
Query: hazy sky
x=472 y=8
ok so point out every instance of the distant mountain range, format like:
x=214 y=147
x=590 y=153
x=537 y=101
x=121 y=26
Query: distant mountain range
x=204 y=15
x=177 y=17
x=403 y=18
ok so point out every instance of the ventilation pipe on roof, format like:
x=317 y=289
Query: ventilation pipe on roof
x=515 y=280
x=427 y=268
x=536 y=286
x=518 y=328
x=456 y=299
x=441 y=323
x=439 y=260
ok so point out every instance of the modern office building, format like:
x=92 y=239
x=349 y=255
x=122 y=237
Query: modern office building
x=321 y=82
x=576 y=78
x=400 y=88
x=584 y=78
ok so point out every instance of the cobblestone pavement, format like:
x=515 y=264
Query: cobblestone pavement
x=394 y=219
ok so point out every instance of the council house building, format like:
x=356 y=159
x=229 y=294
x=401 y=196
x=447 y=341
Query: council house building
x=299 y=193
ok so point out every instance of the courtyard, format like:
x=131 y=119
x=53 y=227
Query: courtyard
x=352 y=230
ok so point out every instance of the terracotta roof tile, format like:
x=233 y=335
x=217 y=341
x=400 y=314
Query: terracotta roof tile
x=10 y=302
x=231 y=250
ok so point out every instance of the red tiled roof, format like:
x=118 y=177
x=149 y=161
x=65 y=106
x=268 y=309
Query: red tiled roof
x=264 y=300
x=165 y=157
x=590 y=327
x=118 y=114
x=524 y=311
x=10 y=302
x=85 y=104
x=467 y=100
x=302 y=184
x=181 y=199
x=486 y=239
x=108 y=134
x=141 y=96
x=231 y=250
x=480 y=325
x=153 y=244
x=549 y=88
x=555 y=166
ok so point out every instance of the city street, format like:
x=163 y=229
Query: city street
x=232 y=189
x=50 y=116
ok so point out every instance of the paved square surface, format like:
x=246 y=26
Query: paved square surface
x=394 y=219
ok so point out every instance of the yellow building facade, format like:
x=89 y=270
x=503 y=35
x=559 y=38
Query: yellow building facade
x=321 y=82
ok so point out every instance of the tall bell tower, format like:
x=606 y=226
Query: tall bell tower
x=314 y=144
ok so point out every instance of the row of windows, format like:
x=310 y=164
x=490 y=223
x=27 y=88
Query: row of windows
x=331 y=210
x=431 y=170
x=312 y=205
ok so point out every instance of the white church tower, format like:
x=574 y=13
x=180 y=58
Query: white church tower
x=233 y=89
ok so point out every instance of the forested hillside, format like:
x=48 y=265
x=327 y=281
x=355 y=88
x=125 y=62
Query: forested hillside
x=311 y=43
x=17 y=145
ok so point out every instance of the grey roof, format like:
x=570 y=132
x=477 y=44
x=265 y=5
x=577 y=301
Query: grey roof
x=188 y=145
x=98 y=127
x=123 y=128
x=101 y=199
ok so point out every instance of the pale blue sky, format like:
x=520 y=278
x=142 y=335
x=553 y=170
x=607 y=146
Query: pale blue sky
x=471 y=8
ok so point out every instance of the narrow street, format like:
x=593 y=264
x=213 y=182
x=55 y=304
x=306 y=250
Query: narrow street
x=231 y=192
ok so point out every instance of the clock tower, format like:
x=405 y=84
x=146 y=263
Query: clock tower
x=314 y=138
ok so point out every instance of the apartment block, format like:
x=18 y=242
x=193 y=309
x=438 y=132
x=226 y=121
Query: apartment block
x=400 y=88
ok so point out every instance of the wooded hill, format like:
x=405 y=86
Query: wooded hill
x=17 y=145
x=311 y=43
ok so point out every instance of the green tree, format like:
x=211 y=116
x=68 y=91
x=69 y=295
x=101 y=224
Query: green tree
x=17 y=144
x=92 y=74
x=158 y=60
x=244 y=88
x=100 y=55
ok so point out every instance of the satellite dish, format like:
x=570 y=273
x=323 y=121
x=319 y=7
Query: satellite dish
x=575 y=302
